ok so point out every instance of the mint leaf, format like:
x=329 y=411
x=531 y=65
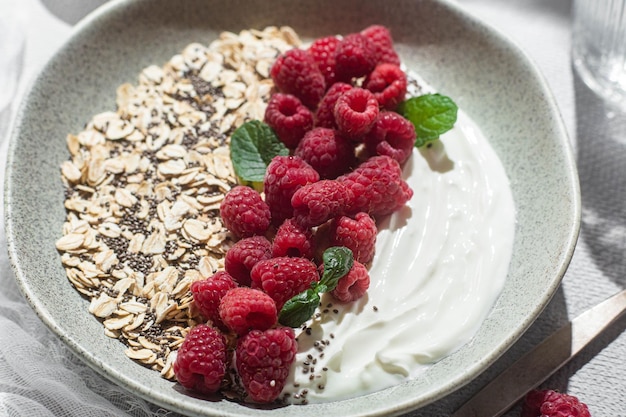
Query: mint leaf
x=431 y=114
x=252 y=147
x=338 y=261
x=299 y=308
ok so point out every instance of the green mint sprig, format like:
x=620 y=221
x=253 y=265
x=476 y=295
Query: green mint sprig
x=338 y=261
x=431 y=114
x=252 y=147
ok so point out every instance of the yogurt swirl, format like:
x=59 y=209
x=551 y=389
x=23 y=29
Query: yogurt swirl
x=439 y=267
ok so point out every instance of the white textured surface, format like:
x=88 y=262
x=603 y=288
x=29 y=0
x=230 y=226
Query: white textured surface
x=40 y=377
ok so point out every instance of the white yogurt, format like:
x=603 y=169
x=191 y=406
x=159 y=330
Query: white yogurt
x=440 y=264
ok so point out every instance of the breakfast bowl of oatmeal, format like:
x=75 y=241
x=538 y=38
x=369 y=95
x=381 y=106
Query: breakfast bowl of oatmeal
x=342 y=208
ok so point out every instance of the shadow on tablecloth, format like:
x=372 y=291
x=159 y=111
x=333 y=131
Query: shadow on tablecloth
x=601 y=139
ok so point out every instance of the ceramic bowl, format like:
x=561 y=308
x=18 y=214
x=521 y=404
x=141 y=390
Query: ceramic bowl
x=489 y=77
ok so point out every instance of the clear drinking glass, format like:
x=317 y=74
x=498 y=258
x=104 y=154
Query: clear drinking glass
x=599 y=47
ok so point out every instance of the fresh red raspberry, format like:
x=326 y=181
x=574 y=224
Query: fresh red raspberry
x=263 y=361
x=392 y=135
x=293 y=240
x=200 y=361
x=377 y=186
x=243 y=309
x=242 y=256
x=353 y=285
x=244 y=212
x=296 y=72
x=316 y=203
x=388 y=83
x=387 y=56
x=355 y=57
x=381 y=38
x=357 y=234
x=325 y=114
x=355 y=112
x=283 y=177
x=323 y=52
x=289 y=118
x=327 y=151
x=207 y=294
x=550 y=403
x=378 y=34
x=283 y=277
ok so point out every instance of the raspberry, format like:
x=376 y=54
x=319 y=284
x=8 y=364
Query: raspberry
x=283 y=277
x=355 y=112
x=201 y=360
x=387 y=56
x=243 y=309
x=263 y=361
x=244 y=212
x=289 y=118
x=388 y=83
x=207 y=294
x=327 y=151
x=357 y=234
x=325 y=114
x=355 y=57
x=550 y=403
x=293 y=240
x=296 y=72
x=283 y=177
x=392 y=135
x=381 y=38
x=323 y=52
x=316 y=203
x=353 y=285
x=377 y=186
x=242 y=256
x=378 y=35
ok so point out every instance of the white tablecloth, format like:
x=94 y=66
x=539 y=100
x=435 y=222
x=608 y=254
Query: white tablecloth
x=39 y=376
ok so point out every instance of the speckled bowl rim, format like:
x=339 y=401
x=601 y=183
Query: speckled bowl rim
x=23 y=225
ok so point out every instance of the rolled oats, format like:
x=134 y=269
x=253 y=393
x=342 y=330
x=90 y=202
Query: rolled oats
x=143 y=186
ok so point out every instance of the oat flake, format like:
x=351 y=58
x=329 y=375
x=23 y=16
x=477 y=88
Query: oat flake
x=143 y=186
